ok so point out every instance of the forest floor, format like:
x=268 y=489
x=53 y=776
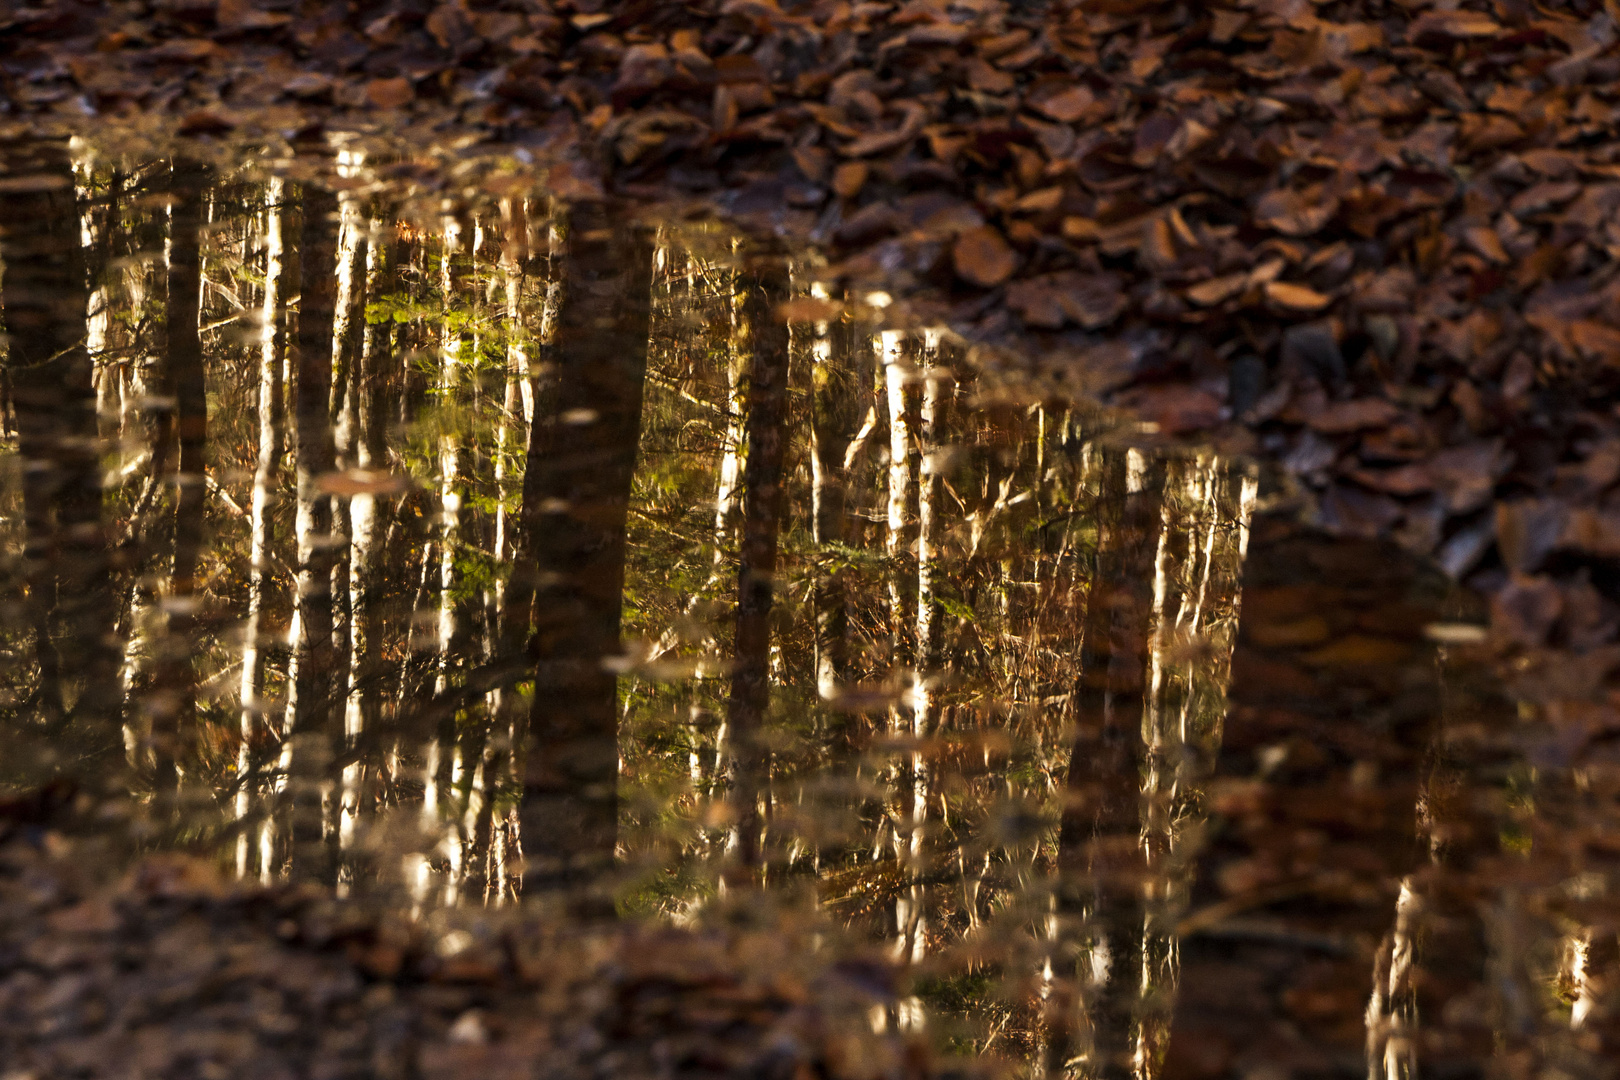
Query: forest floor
x=1370 y=242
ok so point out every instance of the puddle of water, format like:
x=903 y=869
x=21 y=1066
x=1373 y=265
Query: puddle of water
x=451 y=552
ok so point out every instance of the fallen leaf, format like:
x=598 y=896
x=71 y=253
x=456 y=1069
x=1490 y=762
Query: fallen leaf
x=1291 y=297
x=1065 y=106
x=983 y=258
x=362 y=482
x=1343 y=417
x=390 y=93
x=1458 y=23
x=1295 y=213
x=849 y=178
x=1215 y=290
x=244 y=15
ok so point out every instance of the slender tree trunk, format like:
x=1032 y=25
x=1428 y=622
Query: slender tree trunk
x=266 y=479
x=312 y=731
x=762 y=499
x=569 y=812
x=49 y=370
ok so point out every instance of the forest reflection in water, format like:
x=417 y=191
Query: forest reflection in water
x=451 y=552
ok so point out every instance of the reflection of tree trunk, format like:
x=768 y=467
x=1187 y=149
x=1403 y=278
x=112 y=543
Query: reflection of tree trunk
x=517 y=410
x=272 y=415
x=735 y=439
x=832 y=421
x=896 y=545
x=310 y=736
x=533 y=351
x=440 y=750
x=49 y=371
x=927 y=638
x=582 y=491
x=175 y=703
x=762 y=488
x=1100 y=860
x=363 y=696
x=348 y=342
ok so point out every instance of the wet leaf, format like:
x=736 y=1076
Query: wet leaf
x=363 y=482
x=809 y=309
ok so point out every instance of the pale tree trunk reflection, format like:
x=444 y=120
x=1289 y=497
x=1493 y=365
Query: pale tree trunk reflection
x=308 y=742
x=271 y=415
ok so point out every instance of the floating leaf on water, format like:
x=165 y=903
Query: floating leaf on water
x=1455 y=633
x=362 y=482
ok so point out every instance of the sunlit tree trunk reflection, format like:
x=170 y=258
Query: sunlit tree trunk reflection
x=271 y=414
x=309 y=738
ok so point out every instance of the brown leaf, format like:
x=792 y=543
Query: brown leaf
x=1543 y=196
x=1215 y=290
x=849 y=178
x=1050 y=301
x=1295 y=213
x=390 y=93
x=1459 y=23
x=1042 y=201
x=1487 y=244
x=987 y=80
x=878 y=142
x=982 y=257
x=1342 y=417
x=1296 y=298
x=1038 y=303
x=1595 y=340
x=1066 y=106
x=363 y=482
x=449 y=26
x=245 y=15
